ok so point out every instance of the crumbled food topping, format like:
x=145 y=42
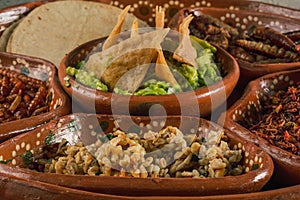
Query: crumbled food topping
x=166 y=153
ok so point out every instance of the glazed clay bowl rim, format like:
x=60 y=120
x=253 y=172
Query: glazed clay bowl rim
x=222 y=88
x=177 y=18
x=284 y=161
x=50 y=191
x=263 y=69
x=249 y=91
x=11 y=128
x=254 y=179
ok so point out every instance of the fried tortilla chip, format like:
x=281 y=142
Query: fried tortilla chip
x=129 y=70
x=135 y=28
x=113 y=36
x=185 y=52
x=159 y=17
x=52 y=30
x=162 y=69
x=111 y=64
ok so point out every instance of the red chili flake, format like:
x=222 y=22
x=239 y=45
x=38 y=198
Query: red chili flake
x=286 y=136
x=281 y=112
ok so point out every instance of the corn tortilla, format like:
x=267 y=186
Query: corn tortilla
x=54 y=29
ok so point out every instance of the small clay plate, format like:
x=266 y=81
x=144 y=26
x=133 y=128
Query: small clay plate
x=258 y=166
x=42 y=70
x=248 y=108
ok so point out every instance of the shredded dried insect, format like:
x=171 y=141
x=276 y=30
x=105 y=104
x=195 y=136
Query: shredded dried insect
x=21 y=96
x=280 y=120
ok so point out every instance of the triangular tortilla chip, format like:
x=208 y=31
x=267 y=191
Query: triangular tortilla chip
x=185 y=52
x=162 y=69
x=159 y=17
x=108 y=64
x=134 y=28
x=113 y=36
x=129 y=70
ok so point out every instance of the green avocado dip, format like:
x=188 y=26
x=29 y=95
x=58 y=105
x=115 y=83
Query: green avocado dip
x=189 y=77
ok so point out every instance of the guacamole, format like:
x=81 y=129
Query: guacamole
x=188 y=77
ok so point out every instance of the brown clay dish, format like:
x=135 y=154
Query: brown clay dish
x=248 y=108
x=145 y=9
x=203 y=100
x=242 y=20
x=48 y=191
x=58 y=101
x=45 y=191
x=80 y=127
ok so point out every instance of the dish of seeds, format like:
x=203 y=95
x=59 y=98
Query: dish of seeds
x=165 y=153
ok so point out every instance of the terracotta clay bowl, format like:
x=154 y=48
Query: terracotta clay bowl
x=13 y=13
x=258 y=166
x=248 y=108
x=144 y=9
x=47 y=191
x=242 y=20
x=56 y=99
x=202 y=101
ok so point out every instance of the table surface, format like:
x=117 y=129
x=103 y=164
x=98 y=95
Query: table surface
x=288 y=3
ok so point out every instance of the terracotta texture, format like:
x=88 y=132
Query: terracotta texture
x=203 y=100
x=146 y=8
x=252 y=180
x=24 y=188
x=13 y=13
x=44 y=191
x=60 y=103
x=287 y=165
x=246 y=19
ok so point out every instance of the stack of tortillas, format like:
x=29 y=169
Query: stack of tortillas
x=54 y=29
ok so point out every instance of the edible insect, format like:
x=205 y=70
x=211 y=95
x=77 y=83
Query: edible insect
x=275 y=37
x=266 y=49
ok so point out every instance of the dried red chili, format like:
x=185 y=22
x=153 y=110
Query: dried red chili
x=21 y=96
x=280 y=120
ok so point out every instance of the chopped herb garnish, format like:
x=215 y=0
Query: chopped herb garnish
x=27 y=157
x=50 y=139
